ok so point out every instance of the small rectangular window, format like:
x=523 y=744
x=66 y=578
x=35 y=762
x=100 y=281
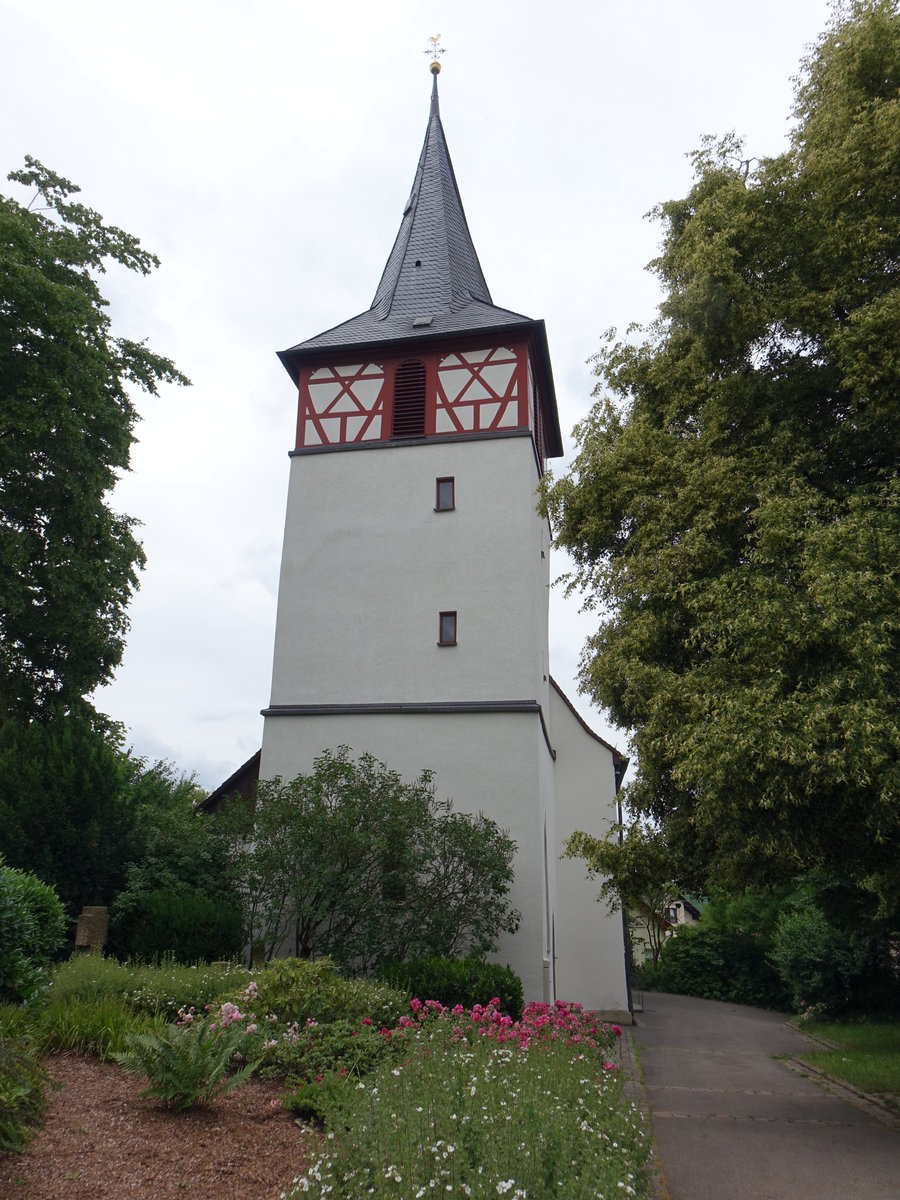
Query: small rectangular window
x=446 y=494
x=447 y=629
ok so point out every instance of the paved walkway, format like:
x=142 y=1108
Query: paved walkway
x=733 y=1122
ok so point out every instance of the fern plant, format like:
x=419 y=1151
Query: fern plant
x=188 y=1065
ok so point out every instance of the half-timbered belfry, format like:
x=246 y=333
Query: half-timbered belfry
x=413 y=600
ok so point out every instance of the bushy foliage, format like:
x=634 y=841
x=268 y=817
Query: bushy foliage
x=23 y=1088
x=32 y=930
x=188 y=926
x=452 y=981
x=363 y=866
x=189 y=1064
x=176 y=900
x=717 y=964
x=151 y=990
x=303 y=990
x=819 y=962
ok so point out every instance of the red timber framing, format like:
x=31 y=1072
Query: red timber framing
x=480 y=389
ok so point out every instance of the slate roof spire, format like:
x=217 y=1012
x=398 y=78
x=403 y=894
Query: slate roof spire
x=432 y=284
x=433 y=266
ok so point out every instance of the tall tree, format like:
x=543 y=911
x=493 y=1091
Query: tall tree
x=68 y=563
x=734 y=508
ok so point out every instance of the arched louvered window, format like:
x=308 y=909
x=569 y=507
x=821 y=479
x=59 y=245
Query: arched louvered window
x=409 y=400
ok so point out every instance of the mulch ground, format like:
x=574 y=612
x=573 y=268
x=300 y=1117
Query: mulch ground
x=102 y=1141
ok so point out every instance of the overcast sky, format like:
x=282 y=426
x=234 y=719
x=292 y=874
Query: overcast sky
x=264 y=152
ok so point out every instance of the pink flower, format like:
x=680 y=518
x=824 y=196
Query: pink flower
x=367 y=1020
x=609 y=1065
x=251 y=1028
x=617 y=1030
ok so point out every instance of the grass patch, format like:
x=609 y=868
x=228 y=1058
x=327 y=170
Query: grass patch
x=868 y=1056
x=149 y=990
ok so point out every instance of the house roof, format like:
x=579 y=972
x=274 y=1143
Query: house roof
x=243 y=780
x=432 y=286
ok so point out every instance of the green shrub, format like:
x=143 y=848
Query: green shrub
x=716 y=964
x=32 y=930
x=23 y=1096
x=818 y=962
x=151 y=990
x=307 y=1053
x=188 y=1065
x=452 y=981
x=187 y=926
x=298 y=989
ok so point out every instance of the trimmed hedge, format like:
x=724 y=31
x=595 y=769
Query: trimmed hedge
x=717 y=964
x=188 y=926
x=452 y=981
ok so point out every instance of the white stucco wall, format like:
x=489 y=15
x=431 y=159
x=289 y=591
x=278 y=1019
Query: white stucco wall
x=368 y=565
x=590 y=944
x=490 y=762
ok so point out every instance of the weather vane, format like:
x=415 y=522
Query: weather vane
x=435 y=49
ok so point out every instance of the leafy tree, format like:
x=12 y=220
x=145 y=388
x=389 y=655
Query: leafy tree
x=176 y=899
x=68 y=563
x=734 y=509
x=636 y=868
x=67 y=812
x=358 y=864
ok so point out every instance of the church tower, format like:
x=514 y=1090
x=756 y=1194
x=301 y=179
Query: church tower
x=413 y=598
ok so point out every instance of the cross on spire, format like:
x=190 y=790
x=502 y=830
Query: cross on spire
x=435 y=49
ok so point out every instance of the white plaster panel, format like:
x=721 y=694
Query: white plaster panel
x=347 y=372
x=354 y=425
x=373 y=433
x=498 y=376
x=443 y=422
x=322 y=394
x=453 y=381
x=465 y=414
x=486 y=414
x=346 y=404
x=368 y=565
x=367 y=391
x=510 y=418
x=476 y=356
x=590 y=943
x=311 y=434
x=477 y=391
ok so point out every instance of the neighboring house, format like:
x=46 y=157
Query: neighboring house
x=682 y=911
x=650 y=928
x=413 y=602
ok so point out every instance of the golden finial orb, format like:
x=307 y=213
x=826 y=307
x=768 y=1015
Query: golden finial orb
x=435 y=49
